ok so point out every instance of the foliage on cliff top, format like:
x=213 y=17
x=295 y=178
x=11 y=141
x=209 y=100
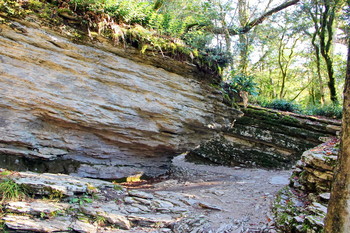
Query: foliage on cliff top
x=139 y=23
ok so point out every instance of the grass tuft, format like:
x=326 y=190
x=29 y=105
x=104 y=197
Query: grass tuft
x=10 y=190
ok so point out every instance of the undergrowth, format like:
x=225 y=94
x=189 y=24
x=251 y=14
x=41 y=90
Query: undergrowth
x=282 y=105
x=331 y=111
x=133 y=23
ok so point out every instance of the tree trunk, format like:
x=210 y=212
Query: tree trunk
x=318 y=64
x=243 y=38
x=326 y=42
x=323 y=18
x=158 y=4
x=337 y=220
x=331 y=81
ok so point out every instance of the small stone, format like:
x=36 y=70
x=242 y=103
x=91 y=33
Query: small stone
x=133 y=209
x=325 y=196
x=141 y=194
x=179 y=210
x=208 y=206
x=143 y=201
x=129 y=200
x=174 y=202
x=142 y=207
x=218 y=192
x=299 y=219
x=83 y=227
x=317 y=220
x=150 y=219
x=162 y=204
x=164 y=230
x=318 y=208
x=110 y=211
x=118 y=219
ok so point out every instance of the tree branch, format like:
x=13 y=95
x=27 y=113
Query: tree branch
x=262 y=18
x=249 y=26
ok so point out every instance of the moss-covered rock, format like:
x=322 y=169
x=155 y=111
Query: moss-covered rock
x=294 y=213
x=302 y=206
x=281 y=131
x=221 y=151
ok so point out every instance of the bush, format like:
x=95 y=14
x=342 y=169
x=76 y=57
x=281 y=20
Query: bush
x=332 y=111
x=283 y=105
x=242 y=82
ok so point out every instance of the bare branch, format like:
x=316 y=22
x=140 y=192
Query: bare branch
x=249 y=26
x=265 y=15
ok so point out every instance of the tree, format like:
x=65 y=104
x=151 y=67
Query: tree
x=338 y=215
x=285 y=56
x=243 y=18
x=323 y=14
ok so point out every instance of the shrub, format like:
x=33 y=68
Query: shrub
x=242 y=82
x=11 y=7
x=332 y=111
x=283 y=105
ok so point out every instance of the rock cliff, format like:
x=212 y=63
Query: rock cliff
x=99 y=104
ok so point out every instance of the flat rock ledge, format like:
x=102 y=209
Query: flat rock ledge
x=74 y=204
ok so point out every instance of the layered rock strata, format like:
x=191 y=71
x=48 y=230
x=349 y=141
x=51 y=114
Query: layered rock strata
x=90 y=205
x=302 y=206
x=61 y=100
x=267 y=138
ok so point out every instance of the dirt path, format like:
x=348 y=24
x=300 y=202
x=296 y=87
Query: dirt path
x=243 y=195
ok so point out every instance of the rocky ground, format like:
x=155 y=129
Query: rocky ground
x=243 y=195
x=194 y=198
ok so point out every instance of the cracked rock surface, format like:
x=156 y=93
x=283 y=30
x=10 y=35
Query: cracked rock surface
x=196 y=198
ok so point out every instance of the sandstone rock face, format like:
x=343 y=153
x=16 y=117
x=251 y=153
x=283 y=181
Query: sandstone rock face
x=61 y=100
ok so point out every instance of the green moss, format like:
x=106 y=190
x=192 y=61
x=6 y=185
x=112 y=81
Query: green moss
x=35 y=5
x=331 y=161
x=221 y=151
x=272 y=117
x=279 y=124
x=12 y=8
x=53 y=193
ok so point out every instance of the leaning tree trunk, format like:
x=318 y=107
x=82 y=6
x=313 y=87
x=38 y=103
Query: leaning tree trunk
x=337 y=220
